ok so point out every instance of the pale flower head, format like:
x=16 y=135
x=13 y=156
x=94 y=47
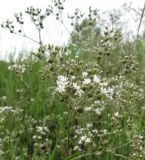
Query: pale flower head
x=87 y=81
x=84 y=74
x=80 y=92
x=76 y=86
x=108 y=91
x=88 y=109
x=98 y=111
x=78 y=89
x=116 y=114
x=62 y=81
x=84 y=139
x=96 y=79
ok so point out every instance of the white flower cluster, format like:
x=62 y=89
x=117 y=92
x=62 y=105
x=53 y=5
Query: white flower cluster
x=62 y=82
x=87 y=81
x=18 y=68
x=93 y=108
x=6 y=109
x=82 y=136
x=103 y=85
x=9 y=109
x=41 y=130
x=96 y=79
x=78 y=89
x=108 y=91
x=84 y=139
x=84 y=74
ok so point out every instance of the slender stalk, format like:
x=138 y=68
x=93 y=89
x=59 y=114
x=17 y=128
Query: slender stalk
x=65 y=27
x=40 y=39
x=140 y=22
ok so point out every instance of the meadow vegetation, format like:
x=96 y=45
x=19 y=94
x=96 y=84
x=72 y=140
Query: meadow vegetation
x=84 y=101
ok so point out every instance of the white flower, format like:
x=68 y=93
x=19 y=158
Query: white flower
x=104 y=131
x=89 y=125
x=96 y=79
x=108 y=91
x=32 y=99
x=116 y=114
x=98 y=111
x=111 y=90
x=6 y=109
x=141 y=137
x=77 y=148
x=84 y=139
x=23 y=70
x=73 y=77
x=77 y=87
x=62 y=81
x=79 y=91
x=87 y=140
x=60 y=88
x=17 y=67
x=84 y=74
x=39 y=129
x=104 y=90
x=87 y=81
x=104 y=84
x=10 y=67
x=88 y=109
x=95 y=131
x=97 y=102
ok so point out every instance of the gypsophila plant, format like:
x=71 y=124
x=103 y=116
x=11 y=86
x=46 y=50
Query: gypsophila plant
x=82 y=101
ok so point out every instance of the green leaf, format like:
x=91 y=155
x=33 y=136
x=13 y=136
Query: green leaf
x=73 y=156
x=80 y=155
